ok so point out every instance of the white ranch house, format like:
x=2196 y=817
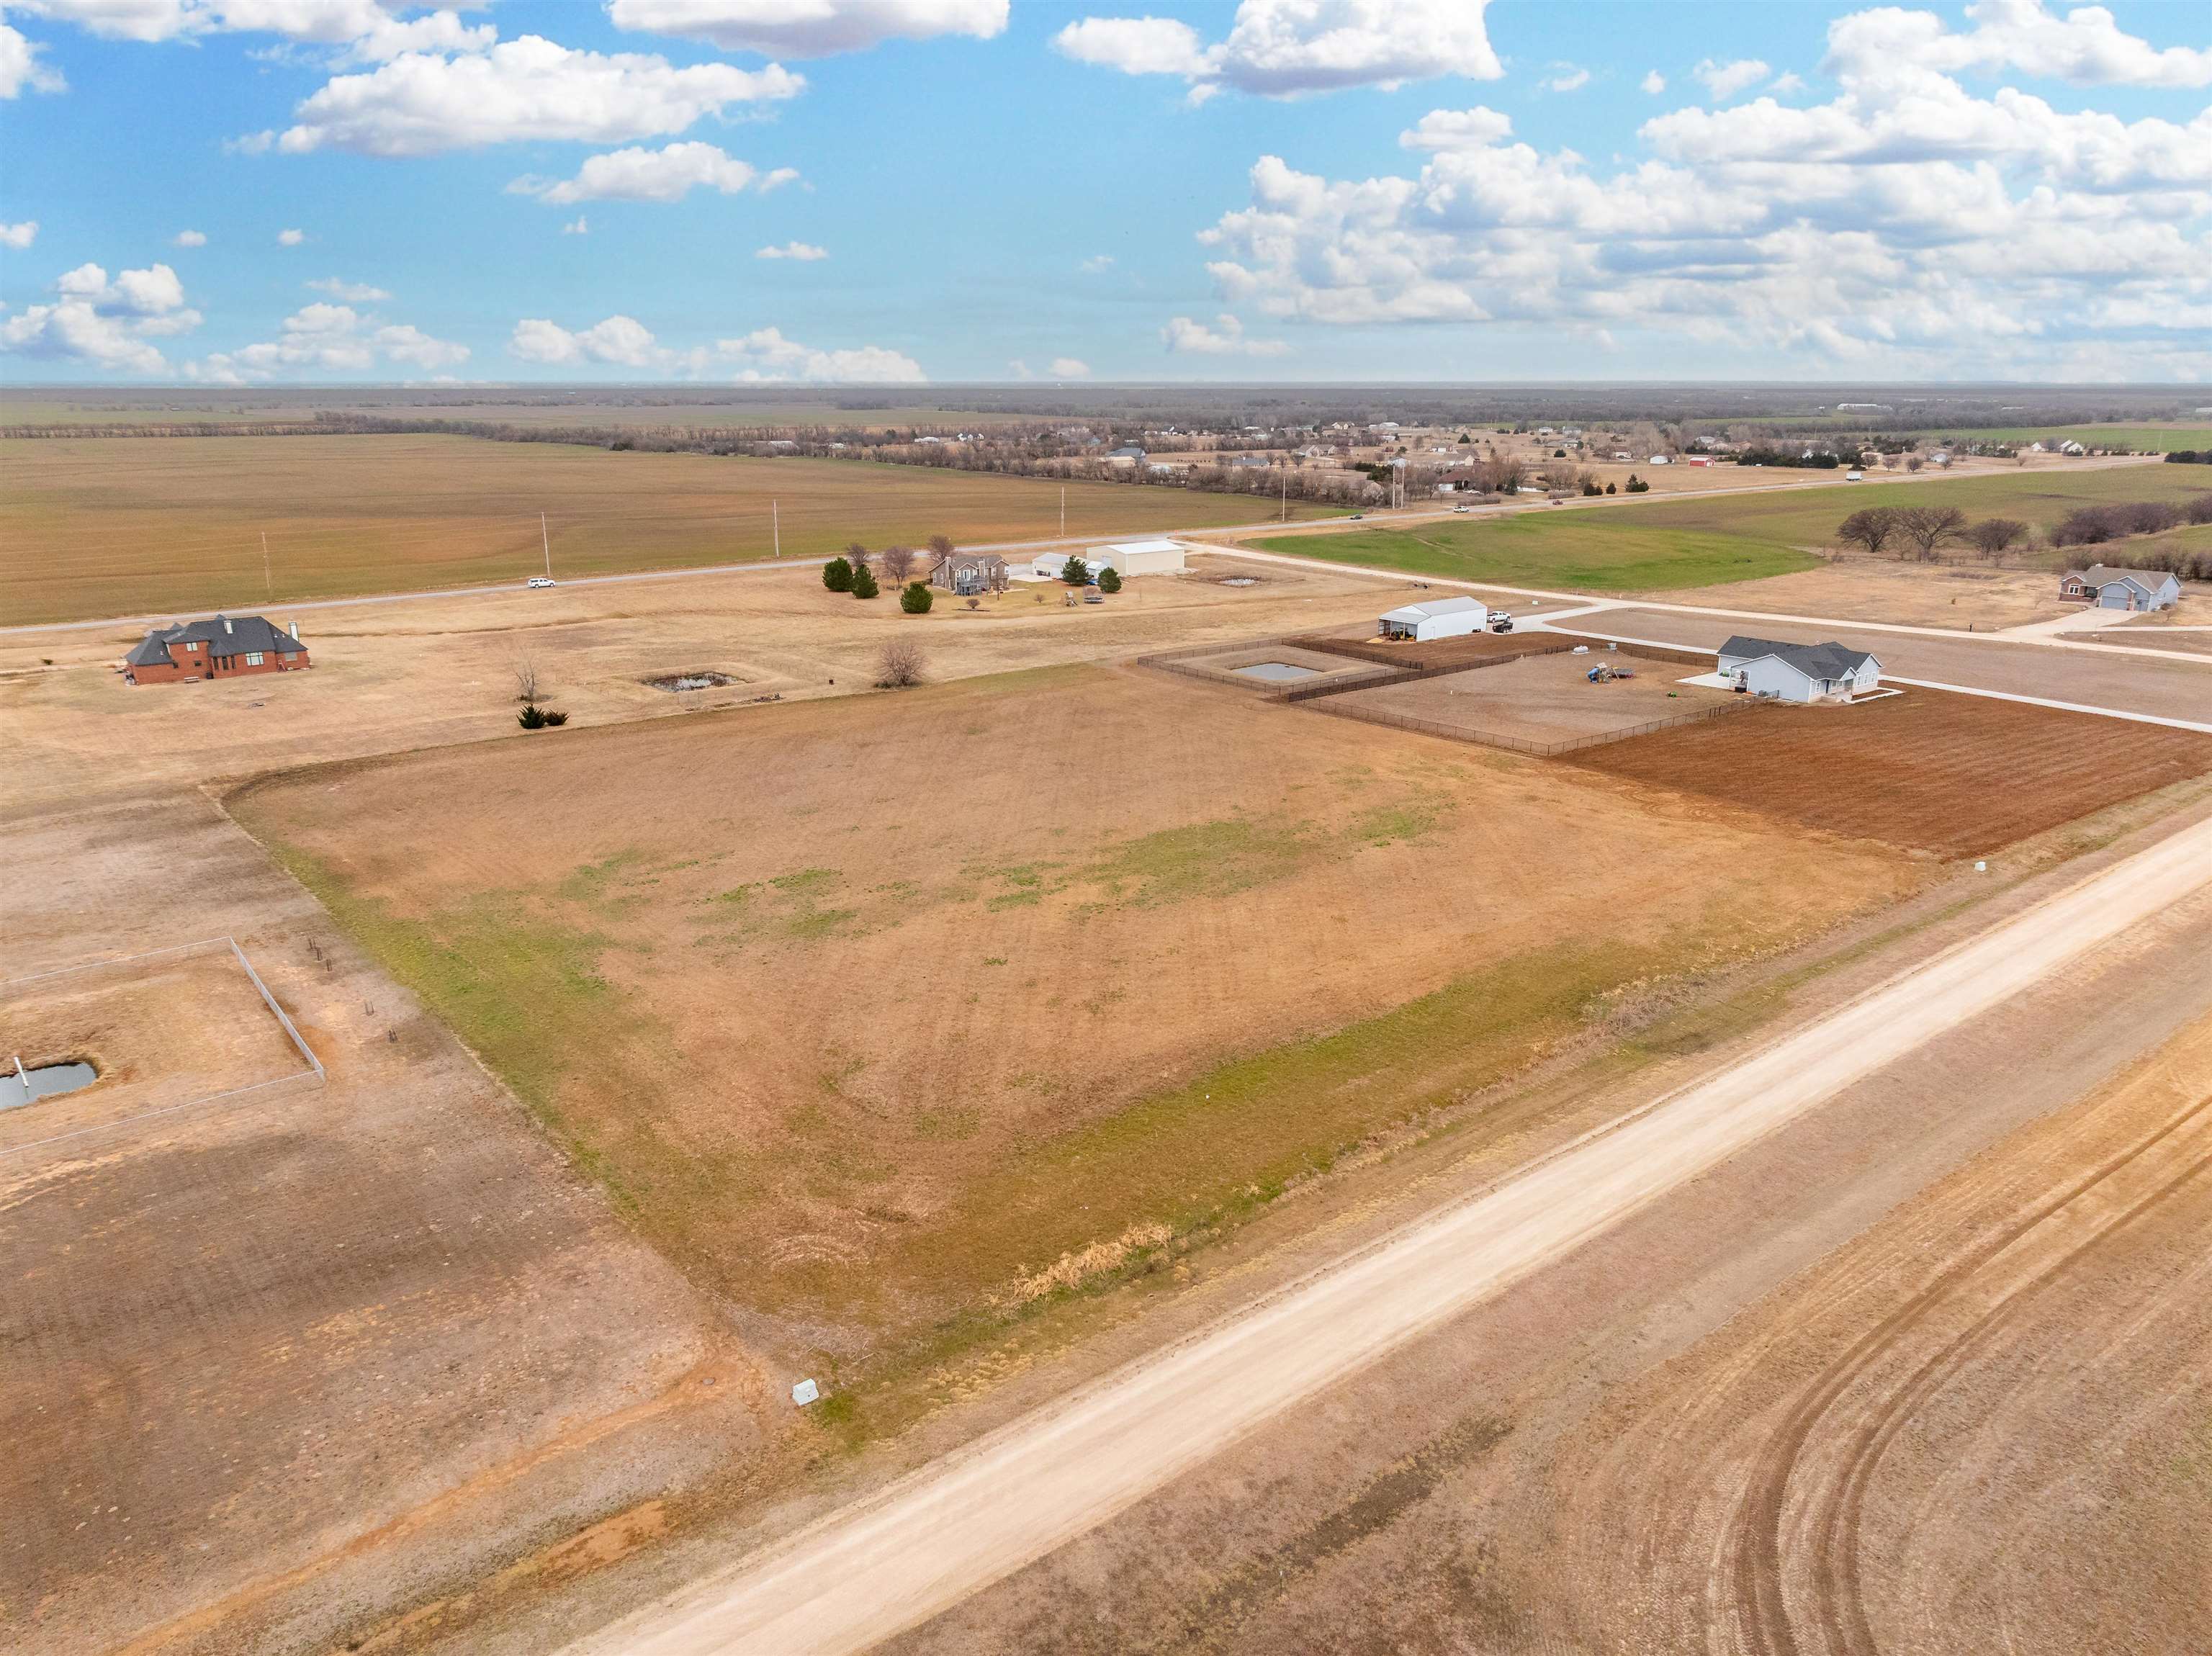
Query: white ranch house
x=1799 y=672
x=2120 y=589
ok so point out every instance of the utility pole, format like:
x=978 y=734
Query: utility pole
x=1286 y=495
x=776 y=527
x=268 y=585
x=1063 y=512
x=545 y=539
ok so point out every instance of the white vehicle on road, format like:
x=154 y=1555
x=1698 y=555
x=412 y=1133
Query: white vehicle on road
x=541 y=580
x=1463 y=508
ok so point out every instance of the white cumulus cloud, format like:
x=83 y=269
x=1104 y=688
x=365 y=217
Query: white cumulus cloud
x=809 y=28
x=19 y=235
x=805 y=252
x=529 y=89
x=107 y=323
x=1286 y=48
x=578 y=225
x=1070 y=368
x=1224 y=339
x=2087 y=45
x=329 y=339
x=1908 y=224
x=1725 y=80
x=369 y=30
x=766 y=354
x=1568 y=78
x=291 y=237
x=1653 y=83
x=665 y=174
x=189 y=239
x=21 y=71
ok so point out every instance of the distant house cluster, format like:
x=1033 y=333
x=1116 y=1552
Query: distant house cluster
x=228 y=647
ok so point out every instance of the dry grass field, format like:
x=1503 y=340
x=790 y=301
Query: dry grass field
x=137 y=526
x=1956 y=775
x=877 y=1012
x=163 y=1032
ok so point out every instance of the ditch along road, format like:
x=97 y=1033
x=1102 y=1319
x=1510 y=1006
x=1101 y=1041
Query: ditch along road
x=1373 y=517
x=925 y=1542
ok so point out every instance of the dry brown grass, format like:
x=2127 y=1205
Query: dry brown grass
x=870 y=1011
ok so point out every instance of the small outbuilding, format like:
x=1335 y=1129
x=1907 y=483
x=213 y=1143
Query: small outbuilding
x=1799 y=672
x=966 y=574
x=2120 y=589
x=1437 y=618
x=228 y=647
x=1128 y=558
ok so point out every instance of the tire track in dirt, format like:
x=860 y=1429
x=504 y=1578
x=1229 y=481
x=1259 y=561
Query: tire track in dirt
x=1829 y=1526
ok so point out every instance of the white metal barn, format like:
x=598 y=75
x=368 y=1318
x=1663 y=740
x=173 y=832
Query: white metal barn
x=1138 y=558
x=1437 y=618
x=1799 y=672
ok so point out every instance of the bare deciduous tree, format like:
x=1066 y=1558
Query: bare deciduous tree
x=898 y=562
x=940 y=545
x=527 y=684
x=1872 y=529
x=899 y=666
x=857 y=556
x=1928 y=526
x=1993 y=535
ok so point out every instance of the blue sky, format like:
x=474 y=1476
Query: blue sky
x=318 y=190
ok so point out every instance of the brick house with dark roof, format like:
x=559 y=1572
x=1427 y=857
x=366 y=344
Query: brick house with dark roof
x=228 y=647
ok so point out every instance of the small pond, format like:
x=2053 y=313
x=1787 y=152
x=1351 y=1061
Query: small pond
x=45 y=1082
x=1276 y=672
x=701 y=681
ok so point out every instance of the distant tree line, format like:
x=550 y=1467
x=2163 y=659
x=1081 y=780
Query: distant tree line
x=1923 y=532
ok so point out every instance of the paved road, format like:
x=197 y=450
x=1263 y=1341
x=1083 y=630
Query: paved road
x=1373 y=518
x=860 y=1575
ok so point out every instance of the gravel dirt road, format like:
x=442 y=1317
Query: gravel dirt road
x=862 y=1575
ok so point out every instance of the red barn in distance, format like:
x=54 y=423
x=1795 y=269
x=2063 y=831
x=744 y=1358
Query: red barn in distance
x=228 y=647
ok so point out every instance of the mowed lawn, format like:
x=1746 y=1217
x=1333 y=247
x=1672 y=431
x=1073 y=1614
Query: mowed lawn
x=1652 y=546
x=879 y=1011
x=107 y=526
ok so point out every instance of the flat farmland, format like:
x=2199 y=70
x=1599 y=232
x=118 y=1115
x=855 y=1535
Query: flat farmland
x=127 y=525
x=1718 y=540
x=878 y=1012
x=1956 y=775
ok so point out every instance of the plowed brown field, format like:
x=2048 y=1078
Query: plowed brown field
x=1954 y=774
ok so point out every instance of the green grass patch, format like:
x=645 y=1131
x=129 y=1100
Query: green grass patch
x=1589 y=550
x=1660 y=545
x=524 y=992
x=1229 y=1141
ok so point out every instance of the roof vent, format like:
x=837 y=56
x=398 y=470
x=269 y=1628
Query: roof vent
x=225 y=620
x=295 y=629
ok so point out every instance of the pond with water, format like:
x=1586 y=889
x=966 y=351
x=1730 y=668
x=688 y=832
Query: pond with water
x=48 y=1080
x=1277 y=672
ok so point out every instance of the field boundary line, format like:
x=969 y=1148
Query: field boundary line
x=120 y=960
x=166 y=1109
x=269 y=1001
x=2063 y=706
